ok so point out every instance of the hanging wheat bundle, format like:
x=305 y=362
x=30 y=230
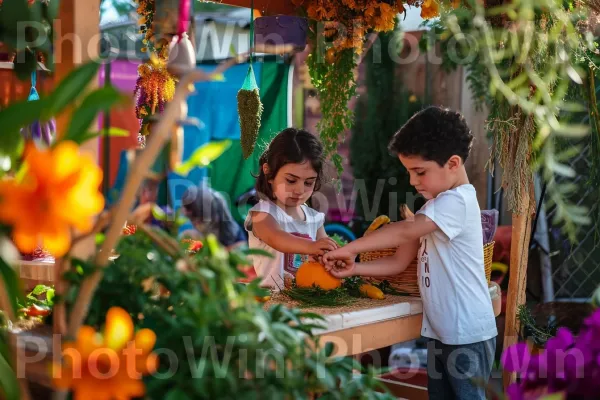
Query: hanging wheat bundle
x=250 y=111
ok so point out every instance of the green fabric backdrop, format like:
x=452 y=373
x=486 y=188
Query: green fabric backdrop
x=230 y=173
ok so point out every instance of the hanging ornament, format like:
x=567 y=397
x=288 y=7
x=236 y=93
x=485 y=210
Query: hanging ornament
x=181 y=55
x=250 y=111
x=42 y=133
x=250 y=107
x=181 y=49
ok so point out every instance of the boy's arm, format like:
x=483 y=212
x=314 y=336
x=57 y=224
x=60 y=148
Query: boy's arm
x=386 y=266
x=393 y=235
x=392 y=265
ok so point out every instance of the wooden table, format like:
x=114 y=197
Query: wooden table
x=37 y=272
x=358 y=332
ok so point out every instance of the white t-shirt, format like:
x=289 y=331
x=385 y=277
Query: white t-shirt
x=457 y=308
x=271 y=270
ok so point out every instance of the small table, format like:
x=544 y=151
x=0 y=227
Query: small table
x=368 y=325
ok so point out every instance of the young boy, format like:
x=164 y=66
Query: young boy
x=457 y=311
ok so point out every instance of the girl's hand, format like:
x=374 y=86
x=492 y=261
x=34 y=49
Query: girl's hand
x=323 y=245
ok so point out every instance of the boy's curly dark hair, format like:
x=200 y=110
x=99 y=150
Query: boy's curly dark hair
x=435 y=134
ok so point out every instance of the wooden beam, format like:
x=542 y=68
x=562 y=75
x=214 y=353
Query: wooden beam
x=266 y=7
x=77 y=40
x=517 y=283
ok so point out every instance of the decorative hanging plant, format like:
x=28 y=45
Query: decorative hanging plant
x=155 y=87
x=338 y=32
x=250 y=111
x=146 y=11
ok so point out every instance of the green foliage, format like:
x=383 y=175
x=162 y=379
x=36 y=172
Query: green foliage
x=203 y=156
x=9 y=386
x=68 y=92
x=27 y=31
x=225 y=343
x=12 y=284
x=385 y=107
x=460 y=53
x=539 y=335
x=531 y=67
x=317 y=297
x=336 y=85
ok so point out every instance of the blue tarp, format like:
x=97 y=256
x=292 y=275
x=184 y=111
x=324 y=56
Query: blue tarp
x=215 y=105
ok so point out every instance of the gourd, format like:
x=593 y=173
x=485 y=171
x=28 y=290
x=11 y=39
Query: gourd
x=372 y=292
x=313 y=273
x=377 y=223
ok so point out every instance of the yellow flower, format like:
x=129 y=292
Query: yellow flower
x=58 y=192
x=108 y=366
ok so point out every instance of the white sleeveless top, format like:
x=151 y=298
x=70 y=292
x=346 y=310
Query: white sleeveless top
x=271 y=270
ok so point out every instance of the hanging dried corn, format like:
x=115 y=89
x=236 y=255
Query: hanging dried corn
x=250 y=107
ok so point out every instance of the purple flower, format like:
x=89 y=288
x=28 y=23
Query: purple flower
x=516 y=358
x=514 y=392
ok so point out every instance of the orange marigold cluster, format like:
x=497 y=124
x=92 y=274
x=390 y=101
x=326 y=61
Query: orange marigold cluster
x=347 y=22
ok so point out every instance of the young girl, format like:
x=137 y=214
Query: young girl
x=281 y=223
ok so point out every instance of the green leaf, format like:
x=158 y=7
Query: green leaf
x=99 y=100
x=256 y=252
x=12 y=284
x=561 y=169
x=203 y=156
x=328 y=349
x=99 y=238
x=573 y=130
x=158 y=213
x=177 y=394
x=112 y=131
x=70 y=88
x=18 y=115
x=9 y=386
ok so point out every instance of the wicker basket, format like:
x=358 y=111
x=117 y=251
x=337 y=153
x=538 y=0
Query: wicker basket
x=488 y=255
x=408 y=281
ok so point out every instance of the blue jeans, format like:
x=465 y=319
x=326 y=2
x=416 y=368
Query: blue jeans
x=459 y=371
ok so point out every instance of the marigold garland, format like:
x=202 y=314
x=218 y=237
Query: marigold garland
x=145 y=10
x=154 y=87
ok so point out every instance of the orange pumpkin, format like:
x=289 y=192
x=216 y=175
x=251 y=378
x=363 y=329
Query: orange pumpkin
x=313 y=273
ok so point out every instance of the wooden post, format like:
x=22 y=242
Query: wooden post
x=77 y=40
x=519 y=254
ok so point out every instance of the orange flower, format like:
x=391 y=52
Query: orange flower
x=58 y=192
x=430 y=9
x=108 y=366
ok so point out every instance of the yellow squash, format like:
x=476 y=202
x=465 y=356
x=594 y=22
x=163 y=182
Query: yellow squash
x=377 y=223
x=371 y=291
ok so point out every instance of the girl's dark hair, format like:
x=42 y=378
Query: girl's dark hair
x=291 y=145
x=208 y=208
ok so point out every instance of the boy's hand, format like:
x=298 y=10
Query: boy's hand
x=341 y=269
x=339 y=262
x=323 y=245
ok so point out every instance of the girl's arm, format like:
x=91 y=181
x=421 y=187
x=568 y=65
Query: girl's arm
x=268 y=230
x=321 y=233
